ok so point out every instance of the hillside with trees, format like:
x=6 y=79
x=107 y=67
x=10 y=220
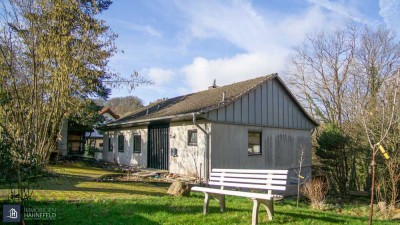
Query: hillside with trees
x=122 y=105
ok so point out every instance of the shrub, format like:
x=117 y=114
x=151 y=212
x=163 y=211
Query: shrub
x=315 y=190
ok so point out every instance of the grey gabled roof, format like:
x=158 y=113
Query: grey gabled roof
x=199 y=102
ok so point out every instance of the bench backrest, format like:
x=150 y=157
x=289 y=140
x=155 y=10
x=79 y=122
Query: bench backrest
x=247 y=178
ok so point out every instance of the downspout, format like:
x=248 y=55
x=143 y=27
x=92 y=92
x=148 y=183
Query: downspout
x=207 y=150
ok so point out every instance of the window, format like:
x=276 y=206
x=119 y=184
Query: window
x=254 y=147
x=137 y=143
x=121 y=140
x=192 y=137
x=110 y=142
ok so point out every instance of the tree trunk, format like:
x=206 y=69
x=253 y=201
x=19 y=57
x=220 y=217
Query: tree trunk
x=371 y=205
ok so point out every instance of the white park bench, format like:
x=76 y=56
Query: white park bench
x=266 y=180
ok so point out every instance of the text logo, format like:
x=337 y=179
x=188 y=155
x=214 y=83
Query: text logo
x=11 y=213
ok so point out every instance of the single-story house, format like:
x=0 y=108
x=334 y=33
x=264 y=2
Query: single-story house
x=253 y=124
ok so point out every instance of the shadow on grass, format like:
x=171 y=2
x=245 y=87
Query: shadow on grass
x=133 y=212
x=321 y=217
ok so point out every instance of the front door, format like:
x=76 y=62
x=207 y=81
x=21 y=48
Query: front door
x=158 y=146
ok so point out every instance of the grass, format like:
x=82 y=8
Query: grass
x=79 y=199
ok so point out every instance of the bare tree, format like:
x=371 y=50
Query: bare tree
x=319 y=71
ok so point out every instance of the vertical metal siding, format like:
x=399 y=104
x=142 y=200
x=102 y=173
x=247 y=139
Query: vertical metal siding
x=267 y=105
x=237 y=111
x=258 y=105
x=252 y=112
x=245 y=109
x=229 y=113
x=270 y=111
x=221 y=114
x=264 y=104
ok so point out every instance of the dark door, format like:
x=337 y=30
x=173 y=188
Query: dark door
x=158 y=146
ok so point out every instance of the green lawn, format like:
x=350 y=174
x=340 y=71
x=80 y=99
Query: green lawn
x=79 y=199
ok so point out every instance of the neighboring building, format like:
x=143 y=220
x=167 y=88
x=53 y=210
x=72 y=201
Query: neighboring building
x=74 y=136
x=72 y=139
x=95 y=139
x=254 y=124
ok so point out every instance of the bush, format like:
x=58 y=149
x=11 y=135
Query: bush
x=315 y=190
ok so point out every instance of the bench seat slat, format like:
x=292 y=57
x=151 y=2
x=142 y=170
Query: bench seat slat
x=250 y=171
x=249 y=181
x=257 y=186
x=234 y=193
x=260 y=176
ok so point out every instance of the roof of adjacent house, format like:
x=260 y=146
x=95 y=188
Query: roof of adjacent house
x=199 y=102
x=110 y=111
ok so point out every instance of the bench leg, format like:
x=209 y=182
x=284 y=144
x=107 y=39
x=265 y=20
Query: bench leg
x=254 y=218
x=269 y=207
x=220 y=199
x=206 y=202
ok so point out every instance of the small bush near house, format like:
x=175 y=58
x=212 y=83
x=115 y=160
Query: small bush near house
x=316 y=190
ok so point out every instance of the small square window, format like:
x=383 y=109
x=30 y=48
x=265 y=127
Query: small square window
x=137 y=143
x=254 y=143
x=121 y=142
x=192 y=137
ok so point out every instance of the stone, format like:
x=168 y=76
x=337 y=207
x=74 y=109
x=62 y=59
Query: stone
x=382 y=206
x=179 y=188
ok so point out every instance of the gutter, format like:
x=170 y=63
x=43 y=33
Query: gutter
x=206 y=152
x=143 y=121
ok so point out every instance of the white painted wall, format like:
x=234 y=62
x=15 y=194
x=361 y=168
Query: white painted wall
x=127 y=157
x=190 y=159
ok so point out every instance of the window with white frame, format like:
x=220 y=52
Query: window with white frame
x=254 y=143
x=192 y=137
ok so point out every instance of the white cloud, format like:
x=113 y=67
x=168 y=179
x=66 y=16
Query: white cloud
x=158 y=75
x=266 y=39
x=147 y=29
x=201 y=73
x=390 y=11
x=340 y=8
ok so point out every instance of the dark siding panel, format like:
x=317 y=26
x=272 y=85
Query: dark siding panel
x=270 y=108
x=280 y=106
x=252 y=114
x=213 y=115
x=229 y=113
x=264 y=104
x=258 y=105
x=245 y=109
x=221 y=114
x=285 y=110
x=290 y=111
x=238 y=111
x=275 y=103
x=298 y=119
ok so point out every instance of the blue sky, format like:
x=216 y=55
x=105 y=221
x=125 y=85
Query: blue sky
x=184 y=45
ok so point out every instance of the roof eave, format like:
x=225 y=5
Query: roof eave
x=144 y=122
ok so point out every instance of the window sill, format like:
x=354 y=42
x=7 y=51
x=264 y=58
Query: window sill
x=120 y=151
x=255 y=154
x=137 y=152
